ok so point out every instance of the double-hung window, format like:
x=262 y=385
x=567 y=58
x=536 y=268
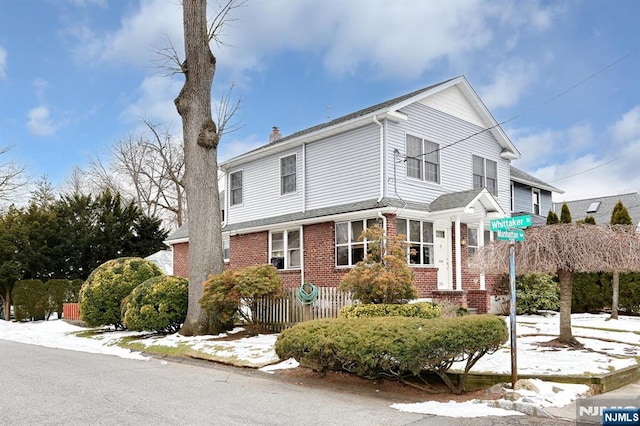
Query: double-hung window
x=285 y=249
x=535 y=200
x=485 y=174
x=473 y=242
x=235 y=187
x=423 y=159
x=419 y=236
x=349 y=249
x=288 y=174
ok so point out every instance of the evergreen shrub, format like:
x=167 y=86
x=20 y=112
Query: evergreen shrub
x=102 y=294
x=159 y=304
x=30 y=300
x=592 y=291
x=426 y=310
x=535 y=292
x=393 y=346
x=76 y=285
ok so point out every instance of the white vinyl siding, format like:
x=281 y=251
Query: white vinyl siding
x=452 y=135
x=419 y=236
x=343 y=169
x=288 y=171
x=261 y=194
x=235 y=187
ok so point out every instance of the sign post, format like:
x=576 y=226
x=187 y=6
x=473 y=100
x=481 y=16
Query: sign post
x=511 y=229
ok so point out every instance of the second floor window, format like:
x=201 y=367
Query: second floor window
x=235 y=186
x=288 y=174
x=420 y=239
x=485 y=174
x=285 y=249
x=423 y=159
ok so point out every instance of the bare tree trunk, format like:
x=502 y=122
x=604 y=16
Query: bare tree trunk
x=7 y=305
x=616 y=292
x=201 y=168
x=566 y=290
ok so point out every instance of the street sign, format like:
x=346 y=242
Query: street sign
x=516 y=222
x=510 y=235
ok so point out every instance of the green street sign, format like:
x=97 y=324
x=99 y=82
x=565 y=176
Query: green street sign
x=510 y=235
x=516 y=222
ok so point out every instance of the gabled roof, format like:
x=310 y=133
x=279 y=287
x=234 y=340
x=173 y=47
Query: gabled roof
x=520 y=176
x=387 y=109
x=602 y=215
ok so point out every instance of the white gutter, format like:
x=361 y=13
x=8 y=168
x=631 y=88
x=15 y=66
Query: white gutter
x=375 y=120
x=458 y=255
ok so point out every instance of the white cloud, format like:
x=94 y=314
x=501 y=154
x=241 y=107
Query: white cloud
x=628 y=127
x=155 y=102
x=40 y=122
x=86 y=3
x=385 y=38
x=511 y=80
x=40 y=85
x=3 y=63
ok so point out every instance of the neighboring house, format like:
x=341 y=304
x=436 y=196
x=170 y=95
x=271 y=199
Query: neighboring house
x=601 y=208
x=433 y=165
x=530 y=195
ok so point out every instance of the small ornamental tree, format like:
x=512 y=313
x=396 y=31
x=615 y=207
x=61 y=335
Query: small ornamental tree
x=619 y=216
x=102 y=294
x=564 y=249
x=226 y=294
x=383 y=276
x=565 y=214
x=552 y=218
x=158 y=304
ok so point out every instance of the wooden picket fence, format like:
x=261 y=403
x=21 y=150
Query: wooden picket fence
x=276 y=314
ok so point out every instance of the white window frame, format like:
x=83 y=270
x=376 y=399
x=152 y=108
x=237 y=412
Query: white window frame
x=418 y=244
x=512 y=194
x=351 y=243
x=473 y=240
x=428 y=155
x=535 y=194
x=290 y=250
x=233 y=191
x=284 y=176
x=226 y=249
x=484 y=175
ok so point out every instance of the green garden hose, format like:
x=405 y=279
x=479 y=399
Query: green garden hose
x=307 y=298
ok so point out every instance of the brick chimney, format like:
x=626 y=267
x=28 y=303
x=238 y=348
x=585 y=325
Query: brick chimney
x=275 y=134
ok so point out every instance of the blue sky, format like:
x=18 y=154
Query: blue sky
x=76 y=76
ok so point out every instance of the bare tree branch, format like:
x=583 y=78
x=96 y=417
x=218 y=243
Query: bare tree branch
x=223 y=18
x=226 y=110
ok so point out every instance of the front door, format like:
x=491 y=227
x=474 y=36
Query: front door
x=442 y=258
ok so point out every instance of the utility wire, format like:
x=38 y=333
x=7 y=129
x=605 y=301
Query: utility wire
x=564 y=92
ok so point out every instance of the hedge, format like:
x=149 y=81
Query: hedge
x=393 y=346
x=30 y=300
x=426 y=310
x=158 y=304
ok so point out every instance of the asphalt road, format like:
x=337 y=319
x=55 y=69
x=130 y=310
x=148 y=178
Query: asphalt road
x=43 y=386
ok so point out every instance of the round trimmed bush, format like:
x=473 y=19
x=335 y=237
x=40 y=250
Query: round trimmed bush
x=102 y=294
x=59 y=292
x=158 y=304
x=30 y=300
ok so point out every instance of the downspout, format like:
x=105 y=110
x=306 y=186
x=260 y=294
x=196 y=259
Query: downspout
x=458 y=255
x=375 y=120
x=481 y=243
x=304 y=177
x=226 y=199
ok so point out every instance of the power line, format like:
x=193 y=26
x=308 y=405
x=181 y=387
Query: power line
x=564 y=92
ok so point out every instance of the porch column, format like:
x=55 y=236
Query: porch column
x=480 y=245
x=458 y=255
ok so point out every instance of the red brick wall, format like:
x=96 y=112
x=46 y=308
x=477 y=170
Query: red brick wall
x=319 y=255
x=181 y=260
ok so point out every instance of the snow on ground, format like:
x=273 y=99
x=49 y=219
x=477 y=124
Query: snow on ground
x=609 y=346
